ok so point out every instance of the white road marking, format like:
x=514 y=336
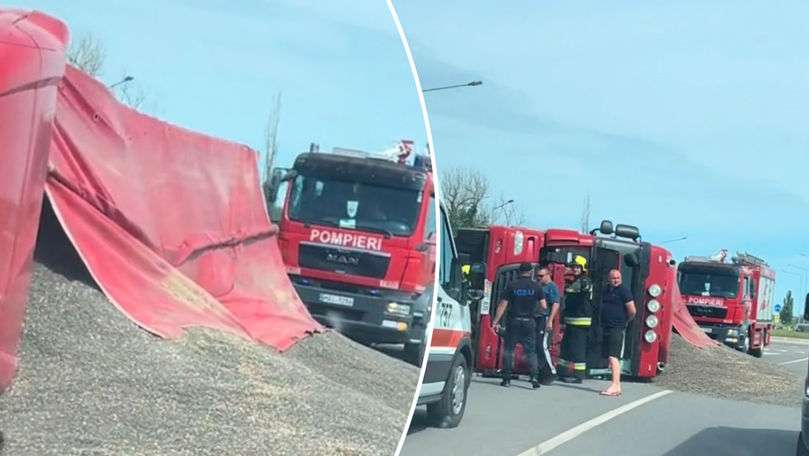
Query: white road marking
x=572 y=433
x=794 y=361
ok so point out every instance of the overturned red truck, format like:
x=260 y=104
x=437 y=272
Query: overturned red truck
x=648 y=270
x=32 y=60
x=357 y=233
x=732 y=302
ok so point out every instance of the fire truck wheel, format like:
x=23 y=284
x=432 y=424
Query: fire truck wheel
x=757 y=352
x=744 y=344
x=414 y=353
x=801 y=450
x=447 y=412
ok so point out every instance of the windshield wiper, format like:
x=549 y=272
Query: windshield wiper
x=308 y=224
x=374 y=229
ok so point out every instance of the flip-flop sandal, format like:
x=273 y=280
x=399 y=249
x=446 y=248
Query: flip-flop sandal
x=604 y=393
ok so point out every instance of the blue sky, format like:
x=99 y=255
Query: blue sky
x=212 y=67
x=684 y=118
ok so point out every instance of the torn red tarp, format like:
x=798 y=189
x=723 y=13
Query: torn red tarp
x=686 y=327
x=171 y=224
x=32 y=61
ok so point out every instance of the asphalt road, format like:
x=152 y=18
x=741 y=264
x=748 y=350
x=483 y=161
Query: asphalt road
x=511 y=421
x=792 y=354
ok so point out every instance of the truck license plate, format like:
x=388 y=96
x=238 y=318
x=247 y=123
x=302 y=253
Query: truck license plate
x=707 y=330
x=336 y=300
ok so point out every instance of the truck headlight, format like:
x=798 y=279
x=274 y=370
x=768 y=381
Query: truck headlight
x=653 y=305
x=655 y=290
x=652 y=321
x=395 y=308
x=733 y=332
x=650 y=336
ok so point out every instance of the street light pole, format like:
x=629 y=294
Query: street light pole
x=502 y=205
x=122 y=81
x=494 y=210
x=468 y=84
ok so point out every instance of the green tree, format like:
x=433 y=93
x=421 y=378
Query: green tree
x=786 y=309
x=463 y=191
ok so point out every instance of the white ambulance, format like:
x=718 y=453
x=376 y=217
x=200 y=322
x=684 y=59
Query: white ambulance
x=449 y=364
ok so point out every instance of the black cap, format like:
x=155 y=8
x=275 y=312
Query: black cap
x=525 y=267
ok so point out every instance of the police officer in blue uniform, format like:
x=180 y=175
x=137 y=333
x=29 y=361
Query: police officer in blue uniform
x=521 y=300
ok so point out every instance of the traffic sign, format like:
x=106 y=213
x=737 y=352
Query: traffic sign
x=777 y=308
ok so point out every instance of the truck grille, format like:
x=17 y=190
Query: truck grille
x=345 y=261
x=707 y=311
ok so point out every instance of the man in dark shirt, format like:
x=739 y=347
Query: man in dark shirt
x=521 y=300
x=617 y=309
x=544 y=323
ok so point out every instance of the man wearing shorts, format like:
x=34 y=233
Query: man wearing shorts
x=617 y=309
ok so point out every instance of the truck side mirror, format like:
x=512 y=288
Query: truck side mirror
x=627 y=231
x=278 y=177
x=606 y=227
x=806 y=308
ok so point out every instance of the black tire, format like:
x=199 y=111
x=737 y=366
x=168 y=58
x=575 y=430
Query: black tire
x=744 y=344
x=801 y=449
x=757 y=352
x=448 y=412
x=414 y=353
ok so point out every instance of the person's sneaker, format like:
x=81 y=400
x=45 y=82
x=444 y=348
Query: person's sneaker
x=570 y=379
x=505 y=382
x=535 y=384
x=578 y=380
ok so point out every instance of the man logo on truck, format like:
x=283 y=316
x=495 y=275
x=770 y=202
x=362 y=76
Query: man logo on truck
x=343 y=259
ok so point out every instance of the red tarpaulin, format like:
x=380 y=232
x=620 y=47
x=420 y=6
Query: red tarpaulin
x=171 y=224
x=687 y=328
x=31 y=64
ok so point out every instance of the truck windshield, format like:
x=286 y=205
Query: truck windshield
x=720 y=284
x=354 y=205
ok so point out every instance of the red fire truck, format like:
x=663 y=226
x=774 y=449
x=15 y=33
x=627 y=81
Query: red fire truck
x=648 y=271
x=732 y=302
x=357 y=233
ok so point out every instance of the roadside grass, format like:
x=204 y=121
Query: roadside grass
x=788 y=332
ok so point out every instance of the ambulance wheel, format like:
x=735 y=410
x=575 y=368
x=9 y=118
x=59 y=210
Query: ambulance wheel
x=414 y=353
x=801 y=449
x=448 y=412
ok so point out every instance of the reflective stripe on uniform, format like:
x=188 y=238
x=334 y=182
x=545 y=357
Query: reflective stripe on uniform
x=548 y=358
x=580 y=321
x=580 y=366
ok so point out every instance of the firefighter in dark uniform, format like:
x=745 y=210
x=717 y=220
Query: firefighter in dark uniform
x=520 y=301
x=577 y=316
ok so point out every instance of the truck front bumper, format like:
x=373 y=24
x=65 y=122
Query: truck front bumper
x=364 y=317
x=728 y=335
